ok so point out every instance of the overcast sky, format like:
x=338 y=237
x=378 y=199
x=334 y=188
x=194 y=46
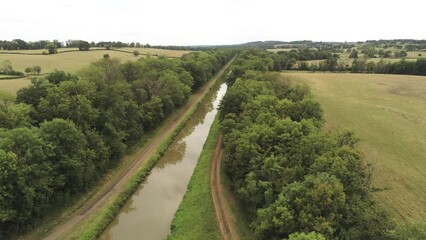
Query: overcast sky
x=205 y=22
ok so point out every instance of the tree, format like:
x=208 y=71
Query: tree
x=70 y=100
x=135 y=53
x=26 y=178
x=400 y=54
x=15 y=115
x=83 y=45
x=36 y=69
x=28 y=70
x=316 y=204
x=354 y=54
x=415 y=230
x=51 y=48
x=71 y=162
x=56 y=77
x=33 y=94
x=331 y=62
x=306 y=236
x=6 y=67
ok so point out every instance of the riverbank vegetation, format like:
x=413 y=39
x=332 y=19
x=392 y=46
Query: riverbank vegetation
x=64 y=130
x=195 y=218
x=290 y=177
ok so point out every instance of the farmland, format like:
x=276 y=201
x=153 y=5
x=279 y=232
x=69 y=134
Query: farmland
x=13 y=85
x=388 y=114
x=73 y=61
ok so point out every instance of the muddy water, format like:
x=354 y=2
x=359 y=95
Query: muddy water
x=149 y=212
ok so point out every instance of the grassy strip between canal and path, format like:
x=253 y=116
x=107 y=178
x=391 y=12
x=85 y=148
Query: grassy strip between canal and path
x=195 y=218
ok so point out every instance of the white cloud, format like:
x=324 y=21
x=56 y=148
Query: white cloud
x=188 y=22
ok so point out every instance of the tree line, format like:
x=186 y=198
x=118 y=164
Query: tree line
x=64 y=131
x=19 y=44
x=292 y=180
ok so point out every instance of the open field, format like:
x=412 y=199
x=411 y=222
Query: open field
x=69 y=61
x=388 y=114
x=157 y=51
x=275 y=50
x=12 y=85
x=40 y=51
x=415 y=54
x=73 y=61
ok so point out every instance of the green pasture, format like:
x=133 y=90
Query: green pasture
x=388 y=114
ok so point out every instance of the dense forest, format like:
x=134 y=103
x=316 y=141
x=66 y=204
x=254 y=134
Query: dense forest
x=64 y=131
x=292 y=180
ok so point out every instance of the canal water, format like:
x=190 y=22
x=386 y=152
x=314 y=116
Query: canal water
x=149 y=212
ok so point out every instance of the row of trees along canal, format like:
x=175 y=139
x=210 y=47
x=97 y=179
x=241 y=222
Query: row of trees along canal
x=290 y=177
x=64 y=131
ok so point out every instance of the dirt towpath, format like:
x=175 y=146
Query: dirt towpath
x=226 y=226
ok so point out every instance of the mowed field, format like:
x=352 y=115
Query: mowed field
x=388 y=114
x=73 y=61
x=10 y=86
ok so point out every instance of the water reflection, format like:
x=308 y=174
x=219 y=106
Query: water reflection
x=149 y=212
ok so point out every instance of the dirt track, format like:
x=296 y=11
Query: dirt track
x=226 y=226
x=115 y=187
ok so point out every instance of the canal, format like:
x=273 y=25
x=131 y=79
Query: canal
x=149 y=212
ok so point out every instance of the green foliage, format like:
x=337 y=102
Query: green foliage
x=7 y=69
x=306 y=236
x=415 y=230
x=417 y=67
x=51 y=48
x=64 y=130
x=96 y=227
x=289 y=176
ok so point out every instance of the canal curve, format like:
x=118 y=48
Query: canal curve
x=149 y=212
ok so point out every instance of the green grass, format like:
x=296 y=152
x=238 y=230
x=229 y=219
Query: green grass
x=415 y=54
x=12 y=85
x=7 y=76
x=388 y=114
x=68 y=61
x=157 y=51
x=73 y=61
x=196 y=218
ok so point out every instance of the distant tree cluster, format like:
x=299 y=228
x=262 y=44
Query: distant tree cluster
x=292 y=180
x=80 y=44
x=305 y=54
x=6 y=68
x=33 y=70
x=64 y=131
x=19 y=44
x=417 y=67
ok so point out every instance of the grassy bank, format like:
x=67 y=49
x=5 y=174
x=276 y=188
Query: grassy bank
x=195 y=218
x=388 y=114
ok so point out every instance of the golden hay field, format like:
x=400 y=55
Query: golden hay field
x=73 y=61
